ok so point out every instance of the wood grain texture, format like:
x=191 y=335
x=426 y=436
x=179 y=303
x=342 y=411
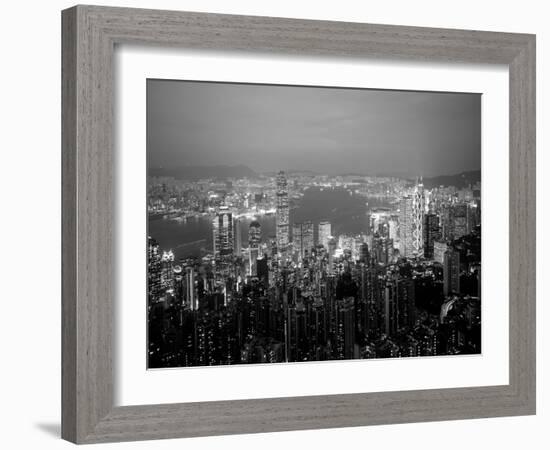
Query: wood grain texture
x=89 y=36
x=522 y=242
x=68 y=225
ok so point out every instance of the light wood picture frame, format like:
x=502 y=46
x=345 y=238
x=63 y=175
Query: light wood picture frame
x=89 y=36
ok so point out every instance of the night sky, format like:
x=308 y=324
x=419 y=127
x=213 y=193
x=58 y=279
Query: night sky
x=325 y=130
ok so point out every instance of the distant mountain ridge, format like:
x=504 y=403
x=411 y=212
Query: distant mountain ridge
x=460 y=180
x=201 y=172
x=223 y=172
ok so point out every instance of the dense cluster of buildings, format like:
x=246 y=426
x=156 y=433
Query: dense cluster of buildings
x=409 y=285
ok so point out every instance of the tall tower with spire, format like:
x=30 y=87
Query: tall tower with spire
x=411 y=222
x=282 y=217
x=418 y=209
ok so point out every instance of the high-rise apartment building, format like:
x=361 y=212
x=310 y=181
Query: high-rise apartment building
x=460 y=220
x=439 y=251
x=254 y=234
x=331 y=250
x=302 y=239
x=345 y=328
x=154 y=263
x=238 y=236
x=325 y=232
x=167 y=272
x=431 y=234
x=451 y=272
x=254 y=238
x=393 y=227
x=190 y=297
x=222 y=226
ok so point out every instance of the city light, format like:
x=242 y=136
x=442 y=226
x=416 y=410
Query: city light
x=378 y=267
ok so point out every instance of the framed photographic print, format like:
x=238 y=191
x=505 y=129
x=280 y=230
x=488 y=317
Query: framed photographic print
x=277 y=224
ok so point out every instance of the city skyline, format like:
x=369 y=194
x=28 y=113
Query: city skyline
x=324 y=130
x=307 y=264
x=407 y=285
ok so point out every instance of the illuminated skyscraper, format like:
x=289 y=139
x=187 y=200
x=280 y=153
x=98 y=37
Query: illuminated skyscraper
x=459 y=220
x=411 y=223
x=346 y=243
x=390 y=308
x=331 y=250
x=356 y=246
x=451 y=272
x=378 y=219
x=382 y=249
x=223 y=233
x=431 y=233
x=325 y=232
x=238 y=237
x=406 y=311
x=418 y=207
x=282 y=218
x=393 y=226
x=446 y=222
x=302 y=238
x=297 y=239
x=345 y=328
x=262 y=269
x=178 y=281
x=190 y=298
x=167 y=272
x=364 y=254
x=254 y=238
x=154 y=287
x=308 y=241
x=405 y=226
x=439 y=251
x=254 y=234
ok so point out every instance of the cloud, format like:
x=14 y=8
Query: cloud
x=331 y=130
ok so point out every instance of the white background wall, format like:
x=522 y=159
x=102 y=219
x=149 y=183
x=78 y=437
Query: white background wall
x=31 y=237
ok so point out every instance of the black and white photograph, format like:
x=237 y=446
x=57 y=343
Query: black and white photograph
x=275 y=224
x=291 y=224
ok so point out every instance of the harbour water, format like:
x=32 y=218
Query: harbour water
x=347 y=211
